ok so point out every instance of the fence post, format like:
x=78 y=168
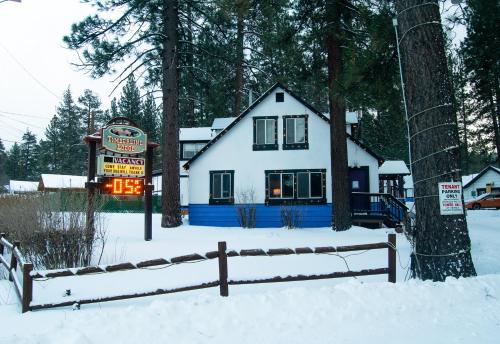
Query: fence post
x=13 y=259
x=224 y=289
x=392 y=257
x=2 y=235
x=27 y=287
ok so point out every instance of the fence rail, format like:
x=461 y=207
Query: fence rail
x=24 y=288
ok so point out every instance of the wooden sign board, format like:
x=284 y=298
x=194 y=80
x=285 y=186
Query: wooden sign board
x=124 y=139
x=114 y=166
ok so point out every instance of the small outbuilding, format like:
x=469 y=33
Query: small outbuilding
x=487 y=180
x=61 y=182
x=391 y=178
x=21 y=186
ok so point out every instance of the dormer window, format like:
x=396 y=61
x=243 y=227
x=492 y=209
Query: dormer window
x=295 y=132
x=265 y=133
x=189 y=149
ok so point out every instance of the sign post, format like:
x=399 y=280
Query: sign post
x=124 y=167
x=450 y=198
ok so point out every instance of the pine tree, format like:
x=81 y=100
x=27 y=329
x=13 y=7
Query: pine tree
x=50 y=152
x=150 y=118
x=481 y=60
x=130 y=102
x=441 y=242
x=3 y=162
x=13 y=167
x=71 y=132
x=90 y=105
x=113 y=110
x=29 y=157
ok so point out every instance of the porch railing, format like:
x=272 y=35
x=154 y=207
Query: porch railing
x=381 y=205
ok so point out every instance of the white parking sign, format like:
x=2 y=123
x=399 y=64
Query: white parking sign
x=450 y=198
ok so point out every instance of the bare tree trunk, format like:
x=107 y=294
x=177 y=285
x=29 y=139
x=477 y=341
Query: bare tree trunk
x=171 y=215
x=338 y=139
x=190 y=120
x=496 y=117
x=238 y=79
x=442 y=244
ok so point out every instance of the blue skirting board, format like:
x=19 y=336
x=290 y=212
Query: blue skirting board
x=266 y=216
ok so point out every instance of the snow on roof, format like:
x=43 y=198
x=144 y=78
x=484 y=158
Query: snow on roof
x=468 y=178
x=408 y=182
x=195 y=134
x=351 y=117
x=22 y=186
x=221 y=123
x=61 y=181
x=393 y=167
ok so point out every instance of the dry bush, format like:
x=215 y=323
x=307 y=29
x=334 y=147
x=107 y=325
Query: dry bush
x=51 y=228
x=246 y=209
x=291 y=216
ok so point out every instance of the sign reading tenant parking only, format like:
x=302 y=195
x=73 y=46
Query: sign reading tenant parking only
x=450 y=198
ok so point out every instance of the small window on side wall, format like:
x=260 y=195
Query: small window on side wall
x=265 y=133
x=221 y=187
x=280 y=97
x=295 y=132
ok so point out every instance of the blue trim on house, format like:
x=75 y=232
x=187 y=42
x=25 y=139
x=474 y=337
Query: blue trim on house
x=267 y=216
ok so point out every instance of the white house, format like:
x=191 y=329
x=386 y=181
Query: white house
x=277 y=151
x=487 y=180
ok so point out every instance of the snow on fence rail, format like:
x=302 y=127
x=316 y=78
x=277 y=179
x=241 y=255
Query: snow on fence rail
x=25 y=289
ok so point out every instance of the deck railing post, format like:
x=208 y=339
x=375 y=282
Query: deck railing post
x=223 y=285
x=13 y=260
x=392 y=257
x=27 y=287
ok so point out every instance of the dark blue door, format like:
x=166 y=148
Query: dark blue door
x=359 y=181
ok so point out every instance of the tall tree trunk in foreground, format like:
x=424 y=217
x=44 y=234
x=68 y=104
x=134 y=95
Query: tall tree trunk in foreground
x=238 y=79
x=171 y=215
x=442 y=244
x=338 y=139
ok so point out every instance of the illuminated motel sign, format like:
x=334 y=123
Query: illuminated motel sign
x=120 y=164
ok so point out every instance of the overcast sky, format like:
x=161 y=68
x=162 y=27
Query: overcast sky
x=35 y=67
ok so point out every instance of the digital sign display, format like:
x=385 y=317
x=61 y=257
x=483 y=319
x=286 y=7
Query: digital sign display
x=123 y=186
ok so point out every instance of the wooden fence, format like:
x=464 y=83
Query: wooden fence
x=24 y=288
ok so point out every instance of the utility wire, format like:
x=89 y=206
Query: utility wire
x=22 y=114
x=27 y=71
x=19 y=121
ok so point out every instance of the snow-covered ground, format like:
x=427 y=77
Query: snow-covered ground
x=351 y=310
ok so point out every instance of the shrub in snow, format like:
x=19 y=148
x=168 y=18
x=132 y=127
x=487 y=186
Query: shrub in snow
x=245 y=208
x=51 y=228
x=291 y=216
